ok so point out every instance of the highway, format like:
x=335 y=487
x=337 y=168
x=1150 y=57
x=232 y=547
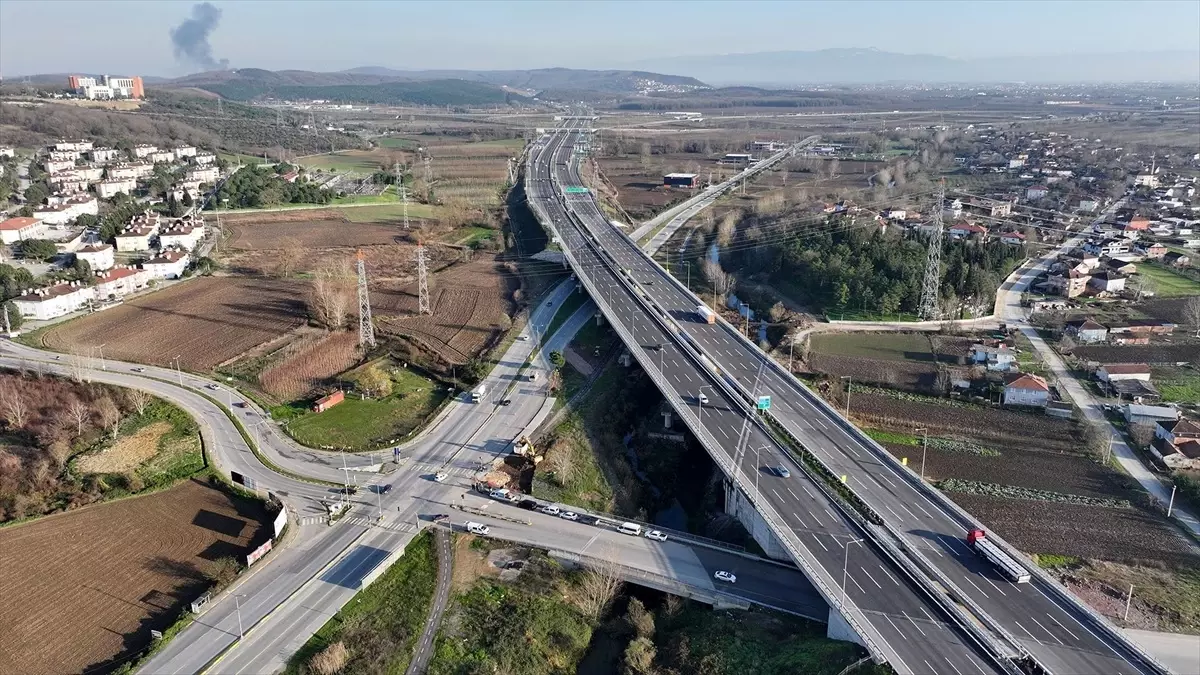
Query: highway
x=907 y=626
x=1063 y=634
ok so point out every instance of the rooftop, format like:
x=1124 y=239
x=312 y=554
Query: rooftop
x=1126 y=368
x=14 y=224
x=1028 y=381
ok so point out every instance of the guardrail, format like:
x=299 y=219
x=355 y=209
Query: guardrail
x=965 y=520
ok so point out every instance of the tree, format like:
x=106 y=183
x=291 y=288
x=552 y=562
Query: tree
x=942 y=382
x=38 y=249
x=557 y=358
x=1142 y=435
x=14 y=316
x=290 y=254
x=599 y=585
x=1066 y=345
x=187 y=199
x=374 y=382
x=36 y=194
x=14 y=408
x=1191 y=314
x=139 y=399
x=331 y=293
x=110 y=415
x=80 y=412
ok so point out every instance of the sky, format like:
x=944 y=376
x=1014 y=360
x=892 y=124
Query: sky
x=131 y=38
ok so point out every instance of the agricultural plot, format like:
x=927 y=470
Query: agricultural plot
x=273 y=233
x=359 y=161
x=1126 y=535
x=472 y=173
x=204 y=322
x=1167 y=309
x=308 y=363
x=885 y=346
x=1168 y=283
x=1155 y=354
x=85 y=588
x=907 y=361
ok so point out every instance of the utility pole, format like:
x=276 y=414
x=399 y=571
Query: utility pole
x=220 y=110
x=428 y=178
x=1170 y=505
x=1128 y=601
x=366 y=328
x=422 y=282
x=930 y=287
x=404 y=201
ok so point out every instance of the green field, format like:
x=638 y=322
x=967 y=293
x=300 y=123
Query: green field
x=361 y=161
x=1168 y=284
x=366 y=424
x=886 y=346
x=1177 y=385
x=398 y=143
x=376 y=213
x=468 y=235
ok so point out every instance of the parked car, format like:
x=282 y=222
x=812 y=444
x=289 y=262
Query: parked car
x=551 y=510
x=656 y=535
x=385 y=489
x=478 y=528
x=214 y=387
x=722 y=575
x=528 y=504
x=569 y=515
x=505 y=401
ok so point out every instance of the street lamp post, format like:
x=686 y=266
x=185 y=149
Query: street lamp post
x=238 y=603
x=661 y=349
x=1171 y=504
x=849 y=385
x=688 y=265
x=845 y=564
x=101 y=349
x=924 y=448
x=178 y=370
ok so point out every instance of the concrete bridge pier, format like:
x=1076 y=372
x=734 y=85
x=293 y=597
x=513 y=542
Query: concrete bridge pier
x=599 y=319
x=668 y=417
x=739 y=506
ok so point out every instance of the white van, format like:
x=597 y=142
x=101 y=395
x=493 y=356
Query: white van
x=703 y=398
x=478 y=528
x=630 y=528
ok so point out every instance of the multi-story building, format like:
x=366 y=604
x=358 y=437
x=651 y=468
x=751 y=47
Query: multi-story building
x=182 y=151
x=167 y=265
x=80 y=145
x=98 y=256
x=106 y=189
x=51 y=302
x=144 y=150
x=107 y=87
x=56 y=165
x=20 y=229
x=119 y=282
x=6 y=151
x=183 y=233
x=204 y=158
x=104 y=155
x=67 y=209
x=204 y=174
x=61 y=155
x=162 y=157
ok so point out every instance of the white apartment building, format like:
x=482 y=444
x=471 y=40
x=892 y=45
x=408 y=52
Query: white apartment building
x=98 y=256
x=103 y=155
x=67 y=210
x=168 y=265
x=42 y=304
x=80 y=145
x=162 y=157
x=182 y=151
x=6 y=151
x=56 y=165
x=119 y=282
x=135 y=238
x=183 y=234
x=204 y=158
x=65 y=155
x=69 y=184
x=20 y=229
x=205 y=174
x=144 y=150
x=106 y=189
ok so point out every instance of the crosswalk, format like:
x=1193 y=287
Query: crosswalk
x=389 y=523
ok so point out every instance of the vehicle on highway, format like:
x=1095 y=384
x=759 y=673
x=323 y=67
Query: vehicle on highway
x=505 y=401
x=214 y=387
x=528 y=504
x=569 y=515
x=728 y=577
x=656 y=535
x=1004 y=563
x=702 y=398
x=706 y=315
x=139 y=370
x=477 y=393
x=551 y=510
x=440 y=476
x=478 y=528
x=385 y=489
x=781 y=471
x=630 y=528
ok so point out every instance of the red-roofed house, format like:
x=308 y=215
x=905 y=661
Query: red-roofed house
x=168 y=265
x=1177 y=443
x=1013 y=238
x=20 y=229
x=120 y=281
x=1123 y=371
x=1028 y=390
x=964 y=230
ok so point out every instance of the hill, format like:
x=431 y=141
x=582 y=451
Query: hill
x=543 y=79
x=874 y=66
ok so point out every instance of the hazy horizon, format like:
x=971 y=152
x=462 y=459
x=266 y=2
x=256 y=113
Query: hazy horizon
x=176 y=38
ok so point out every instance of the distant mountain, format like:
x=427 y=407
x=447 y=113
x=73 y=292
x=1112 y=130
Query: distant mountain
x=862 y=66
x=543 y=79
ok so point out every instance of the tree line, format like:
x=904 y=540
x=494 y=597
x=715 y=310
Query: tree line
x=257 y=187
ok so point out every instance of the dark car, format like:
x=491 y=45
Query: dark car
x=385 y=489
x=505 y=401
x=528 y=504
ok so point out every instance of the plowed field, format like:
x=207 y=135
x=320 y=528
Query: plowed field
x=270 y=234
x=204 y=321
x=86 y=587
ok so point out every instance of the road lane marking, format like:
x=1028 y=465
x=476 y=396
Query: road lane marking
x=793 y=494
x=931 y=619
x=1073 y=636
x=1024 y=629
x=952 y=665
x=870 y=577
x=860 y=588
x=892 y=512
x=995 y=586
x=976 y=664
x=914 y=623
x=976 y=587
x=818 y=538
x=802 y=523
x=889 y=620
x=889 y=575
x=1052 y=635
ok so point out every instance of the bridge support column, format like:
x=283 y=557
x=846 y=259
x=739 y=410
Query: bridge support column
x=626 y=359
x=667 y=419
x=736 y=504
x=599 y=319
x=838 y=629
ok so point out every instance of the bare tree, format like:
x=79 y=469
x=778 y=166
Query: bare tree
x=290 y=254
x=332 y=290
x=77 y=366
x=942 y=383
x=14 y=407
x=331 y=660
x=1141 y=435
x=1191 y=314
x=722 y=281
x=80 y=412
x=139 y=399
x=599 y=585
x=110 y=415
x=726 y=229
x=564 y=465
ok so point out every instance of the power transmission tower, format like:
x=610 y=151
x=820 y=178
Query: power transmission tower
x=933 y=263
x=278 y=117
x=220 y=110
x=422 y=282
x=428 y=176
x=366 y=329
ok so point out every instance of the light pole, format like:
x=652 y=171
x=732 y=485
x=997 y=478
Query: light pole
x=101 y=349
x=238 y=603
x=661 y=349
x=791 y=347
x=688 y=265
x=178 y=371
x=1171 y=504
x=849 y=385
x=924 y=448
x=758 y=469
x=845 y=564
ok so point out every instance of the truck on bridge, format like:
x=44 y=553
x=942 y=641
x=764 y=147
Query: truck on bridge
x=706 y=315
x=1011 y=569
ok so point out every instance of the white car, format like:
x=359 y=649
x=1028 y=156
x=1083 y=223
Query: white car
x=656 y=535
x=139 y=370
x=551 y=510
x=722 y=575
x=441 y=476
x=569 y=515
x=213 y=387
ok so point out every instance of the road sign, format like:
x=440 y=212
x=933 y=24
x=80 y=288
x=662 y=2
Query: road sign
x=764 y=402
x=575 y=190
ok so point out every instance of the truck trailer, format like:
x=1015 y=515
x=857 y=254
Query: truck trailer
x=1010 y=568
x=477 y=393
x=706 y=315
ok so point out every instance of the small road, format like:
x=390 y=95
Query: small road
x=445 y=555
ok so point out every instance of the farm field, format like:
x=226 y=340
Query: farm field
x=308 y=363
x=907 y=361
x=360 y=161
x=1167 y=283
x=75 y=599
x=472 y=173
x=1162 y=353
x=308 y=232
x=879 y=346
x=1167 y=309
x=1177 y=385
x=204 y=321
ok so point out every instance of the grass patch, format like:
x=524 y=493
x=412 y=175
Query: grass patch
x=886 y=346
x=394 y=211
x=1173 y=594
x=1181 y=385
x=893 y=437
x=397 y=143
x=973 y=487
x=367 y=424
x=1050 y=561
x=469 y=235
x=361 y=161
x=381 y=624
x=573 y=302
x=1167 y=282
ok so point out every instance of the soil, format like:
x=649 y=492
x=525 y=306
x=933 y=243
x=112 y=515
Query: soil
x=127 y=453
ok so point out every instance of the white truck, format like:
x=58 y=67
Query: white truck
x=1004 y=563
x=477 y=393
x=706 y=315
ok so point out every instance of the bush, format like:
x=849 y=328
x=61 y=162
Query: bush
x=330 y=660
x=224 y=571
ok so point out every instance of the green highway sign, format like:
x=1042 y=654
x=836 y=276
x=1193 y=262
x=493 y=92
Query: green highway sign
x=764 y=402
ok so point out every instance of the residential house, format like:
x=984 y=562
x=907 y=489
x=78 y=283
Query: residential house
x=1143 y=327
x=7 y=151
x=1109 y=246
x=1123 y=267
x=1150 y=415
x=19 y=229
x=61 y=155
x=119 y=282
x=1176 y=259
x=1036 y=192
x=144 y=150
x=204 y=159
x=1150 y=249
x=1123 y=371
x=204 y=174
x=998 y=358
x=107 y=189
x=42 y=304
x=184 y=233
x=79 y=146
x=161 y=157
x=1069 y=285
x=98 y=256
x=137 y=235
x=1087 y=205
x=1086 y=331
x=1174 y=431
x=53 y=166
x=1013 y=238
x=167 y=265
x=1027 y=389
x=1108 y=282
x=326 y=402
x=1138 y=391
x=965 y=230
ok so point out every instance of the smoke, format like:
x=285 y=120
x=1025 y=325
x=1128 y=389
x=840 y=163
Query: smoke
x=190 y=38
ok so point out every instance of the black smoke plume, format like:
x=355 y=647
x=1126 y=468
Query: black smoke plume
x=190 y=38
